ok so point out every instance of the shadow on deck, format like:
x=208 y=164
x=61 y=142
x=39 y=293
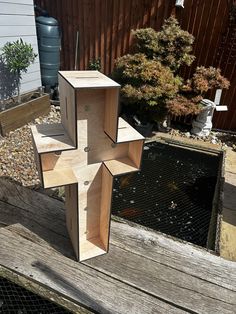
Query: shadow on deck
x=144 y=271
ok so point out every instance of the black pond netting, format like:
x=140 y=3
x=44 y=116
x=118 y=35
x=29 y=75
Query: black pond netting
x=172 y=193
x=17 y=300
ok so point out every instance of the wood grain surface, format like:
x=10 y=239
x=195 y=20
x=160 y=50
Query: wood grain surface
x=144 y=271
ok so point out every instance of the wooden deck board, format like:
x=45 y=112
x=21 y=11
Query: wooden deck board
x=144 y=272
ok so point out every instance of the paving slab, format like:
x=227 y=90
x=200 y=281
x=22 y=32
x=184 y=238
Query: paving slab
x=228 y=222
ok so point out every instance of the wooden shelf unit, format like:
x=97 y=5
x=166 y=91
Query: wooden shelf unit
x=84 y=153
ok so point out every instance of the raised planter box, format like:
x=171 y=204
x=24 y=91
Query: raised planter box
x=15 y=117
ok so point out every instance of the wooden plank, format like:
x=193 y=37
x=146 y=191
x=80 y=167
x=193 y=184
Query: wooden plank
x=51 y=138
x=89 y=200
x=84 y=285
x=127 y=133
x=120 y=165
x=27 y=2
x=91 y=111
x=88 y=79
x=35 y=211
x=20 y=20
x=16 y=117
x=58 y=177
x=176 y=254
x=68 y=109
x=16 y=9
x=41 y=290
x=111 y=112
x=183 y=277
x=135 y=152
x=71 y=198
x=156 y=279
x=48 y=161
x=106 y=199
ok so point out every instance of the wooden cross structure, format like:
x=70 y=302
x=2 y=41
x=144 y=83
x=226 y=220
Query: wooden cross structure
x=84 y=152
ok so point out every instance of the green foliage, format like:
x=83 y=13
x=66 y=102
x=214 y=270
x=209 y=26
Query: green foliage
x=205 y=79
x=95 y=64
x=149 y=78
x=18 y=56
x=145 y=83
x=192 y=92
x=171 y=46
x=144 y=80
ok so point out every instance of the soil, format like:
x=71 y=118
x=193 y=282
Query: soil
x=12 y=102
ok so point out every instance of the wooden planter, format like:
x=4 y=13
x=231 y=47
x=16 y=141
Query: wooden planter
x=18 y=116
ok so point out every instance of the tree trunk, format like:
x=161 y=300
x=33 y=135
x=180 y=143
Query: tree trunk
x=18 y=89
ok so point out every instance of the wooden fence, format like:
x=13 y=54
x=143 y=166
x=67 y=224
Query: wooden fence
x=104 y=32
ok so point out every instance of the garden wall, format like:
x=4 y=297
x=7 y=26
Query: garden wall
x=104 y=32
x=17 y=21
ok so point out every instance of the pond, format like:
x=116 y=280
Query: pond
x=173 y=193
x=18 y=300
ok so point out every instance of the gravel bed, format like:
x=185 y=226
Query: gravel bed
x=218 y=138
x=17 y=156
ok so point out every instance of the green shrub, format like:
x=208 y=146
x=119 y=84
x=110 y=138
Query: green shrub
x=18 y=56
x=187 y=101
x=145 y=83
x=149 y=78
x=171 y=46
x=94 y=64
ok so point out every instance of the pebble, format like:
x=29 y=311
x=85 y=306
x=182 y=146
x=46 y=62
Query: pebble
x=221 y=138
x=17 y=155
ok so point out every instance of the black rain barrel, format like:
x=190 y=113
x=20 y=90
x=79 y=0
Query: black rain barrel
x=49 y=43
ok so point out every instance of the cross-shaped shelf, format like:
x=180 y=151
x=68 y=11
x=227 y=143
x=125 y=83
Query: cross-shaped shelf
x=84 y=152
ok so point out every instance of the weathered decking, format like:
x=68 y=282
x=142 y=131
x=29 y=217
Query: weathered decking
x=144 y=272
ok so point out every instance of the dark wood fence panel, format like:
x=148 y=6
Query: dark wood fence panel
x=104 y=28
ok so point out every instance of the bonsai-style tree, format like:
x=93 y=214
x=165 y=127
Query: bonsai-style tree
x=150 y=77
x=146 y=85
x=172 y=46
x=18 y=56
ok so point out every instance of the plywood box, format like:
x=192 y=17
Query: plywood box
x=85 y=152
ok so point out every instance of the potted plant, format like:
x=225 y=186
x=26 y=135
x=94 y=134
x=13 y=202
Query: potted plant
x=18 y=56
x=15 y=59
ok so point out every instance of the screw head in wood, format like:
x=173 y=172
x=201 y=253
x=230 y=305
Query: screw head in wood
x=113 y=145
x=86 y=182
x=87 y=149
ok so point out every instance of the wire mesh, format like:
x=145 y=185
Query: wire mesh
x=17 y=300
x=172 y=193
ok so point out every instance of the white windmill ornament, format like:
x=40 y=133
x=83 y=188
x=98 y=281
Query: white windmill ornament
x=203 y=124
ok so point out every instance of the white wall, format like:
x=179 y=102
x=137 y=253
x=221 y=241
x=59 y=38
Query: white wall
x=17 y=21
